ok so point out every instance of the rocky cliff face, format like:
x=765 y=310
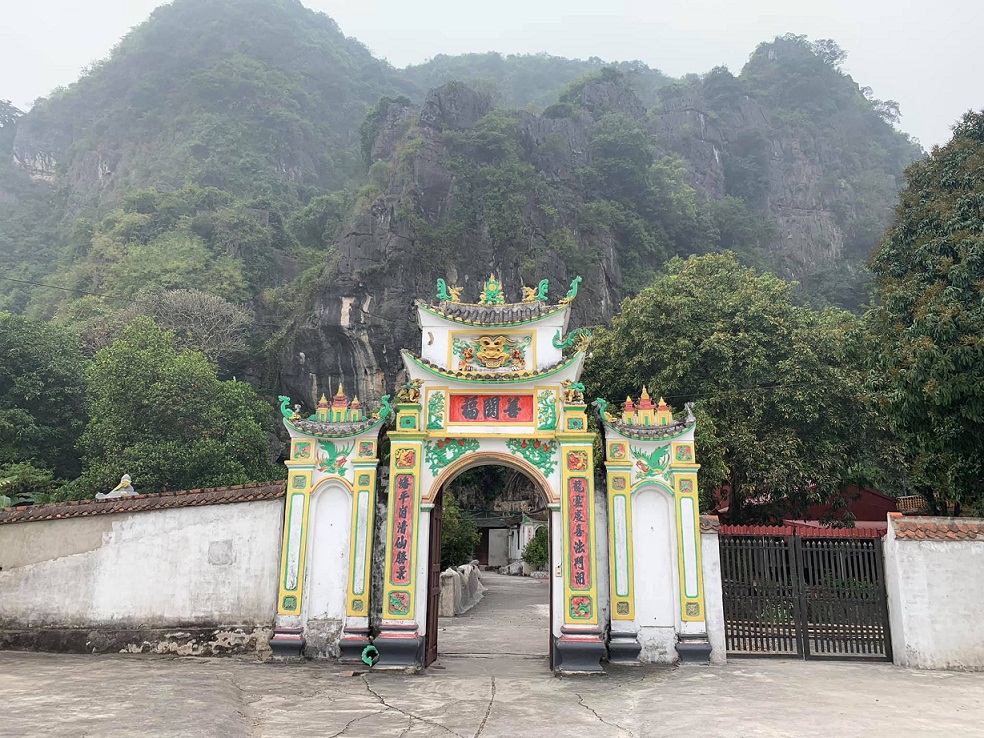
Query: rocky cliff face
x=362 y=313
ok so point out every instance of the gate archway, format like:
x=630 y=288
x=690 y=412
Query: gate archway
x=497 y=381
x=438 y=490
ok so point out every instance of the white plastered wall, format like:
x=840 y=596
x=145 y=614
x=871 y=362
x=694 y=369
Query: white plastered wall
x=710 y=555
x=935 y=602
x=327 y=568
x=656 y=576
x=205 y=565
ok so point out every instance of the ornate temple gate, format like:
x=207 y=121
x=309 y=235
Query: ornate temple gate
x=498 y=383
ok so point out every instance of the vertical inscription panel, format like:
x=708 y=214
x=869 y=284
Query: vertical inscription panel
x=580 y=586
x=401 y=533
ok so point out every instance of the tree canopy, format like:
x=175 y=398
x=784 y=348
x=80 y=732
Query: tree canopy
x=162 y=416
x=42 y=394
x=779 y=402
x=927 y=329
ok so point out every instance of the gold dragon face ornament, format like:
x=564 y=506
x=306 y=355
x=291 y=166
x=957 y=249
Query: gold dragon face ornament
x=492 y=353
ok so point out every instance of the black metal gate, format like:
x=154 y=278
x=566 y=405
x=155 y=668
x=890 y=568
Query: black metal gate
x=811 y=597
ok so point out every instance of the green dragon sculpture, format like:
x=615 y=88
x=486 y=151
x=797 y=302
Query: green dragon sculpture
x=572 y=292
x=579 y=337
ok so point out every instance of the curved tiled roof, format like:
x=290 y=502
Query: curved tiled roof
x=939 y=529
x=142 y=503
x=497 y=377
x=333 y=430
x=494 y=315
x=649 y=432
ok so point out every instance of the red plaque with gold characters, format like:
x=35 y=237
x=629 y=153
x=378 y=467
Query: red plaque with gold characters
x=491 y=409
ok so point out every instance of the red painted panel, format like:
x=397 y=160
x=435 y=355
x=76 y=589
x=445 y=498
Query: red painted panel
x=491 y=409
x=401 y=530
x=579 y=538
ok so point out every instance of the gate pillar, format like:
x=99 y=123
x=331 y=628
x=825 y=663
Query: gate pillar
x=648 y=446
x=400 y=642
x=580 y=647
x=337 y=445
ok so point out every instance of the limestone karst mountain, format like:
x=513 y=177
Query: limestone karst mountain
x=240 y=147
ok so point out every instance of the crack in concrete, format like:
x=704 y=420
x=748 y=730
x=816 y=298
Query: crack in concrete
x=594 y=712
x=408 y=728
x=428 y=721
x=353 y=721
x=488 y=711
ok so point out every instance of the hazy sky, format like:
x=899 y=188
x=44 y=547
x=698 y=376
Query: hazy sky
x=925 y=55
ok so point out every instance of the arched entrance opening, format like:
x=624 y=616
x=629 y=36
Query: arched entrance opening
x=489 y=510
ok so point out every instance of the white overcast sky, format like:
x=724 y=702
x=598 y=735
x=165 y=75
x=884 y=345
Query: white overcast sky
x=924 y=54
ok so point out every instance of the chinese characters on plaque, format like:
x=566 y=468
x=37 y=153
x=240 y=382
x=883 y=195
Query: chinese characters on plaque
x=491 y=409
x=579 y=539
x=402 y=530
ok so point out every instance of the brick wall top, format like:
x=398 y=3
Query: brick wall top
x=143 y=503
x=939 y=529
x=803 y=531
x=709 y=524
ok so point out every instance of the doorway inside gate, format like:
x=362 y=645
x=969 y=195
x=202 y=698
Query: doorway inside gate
x=490 y=514
x=812 y=597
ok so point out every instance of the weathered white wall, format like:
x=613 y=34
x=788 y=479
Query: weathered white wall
x=935 y=602
x=498 y=546
x=326 y=579
x=206 y=565
x=710 y=555
x=655 y=573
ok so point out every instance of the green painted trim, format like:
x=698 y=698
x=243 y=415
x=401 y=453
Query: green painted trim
x=375 y=426
x=460 y=321
x=655 y=482
x=504 y=379
x=644 y=439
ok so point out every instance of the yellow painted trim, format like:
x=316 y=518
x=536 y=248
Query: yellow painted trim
x=398 y=443
x=312 y=455
x=484 y=458
x=503 y=435
x=630 y=562
x=581 y=444
x=695 y=522
x=452 y=334
x=298 y=592
x=368 y=488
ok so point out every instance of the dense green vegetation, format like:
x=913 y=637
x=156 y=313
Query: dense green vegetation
x=42 y=395
x=783 y=420
x=164 y=417
x=459 y=534
x=531 y=81
x=927 y=367
x=811 y=102
x=201 y=179
x=536 y=553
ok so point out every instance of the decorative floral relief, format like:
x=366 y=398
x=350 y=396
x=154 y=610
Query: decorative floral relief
x=438 y=454
x=540 y=453
x=435 y=411
x=651 y=464
x=546 y=410
x=332 y=458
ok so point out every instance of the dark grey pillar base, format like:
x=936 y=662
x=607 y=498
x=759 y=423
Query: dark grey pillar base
x=287 y=643
x=624 y=650
x=352 y=644
x=399 y=648
x=578 y=652
x=694 y=649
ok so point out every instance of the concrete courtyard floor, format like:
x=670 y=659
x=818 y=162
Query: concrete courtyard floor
x=494 y=684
